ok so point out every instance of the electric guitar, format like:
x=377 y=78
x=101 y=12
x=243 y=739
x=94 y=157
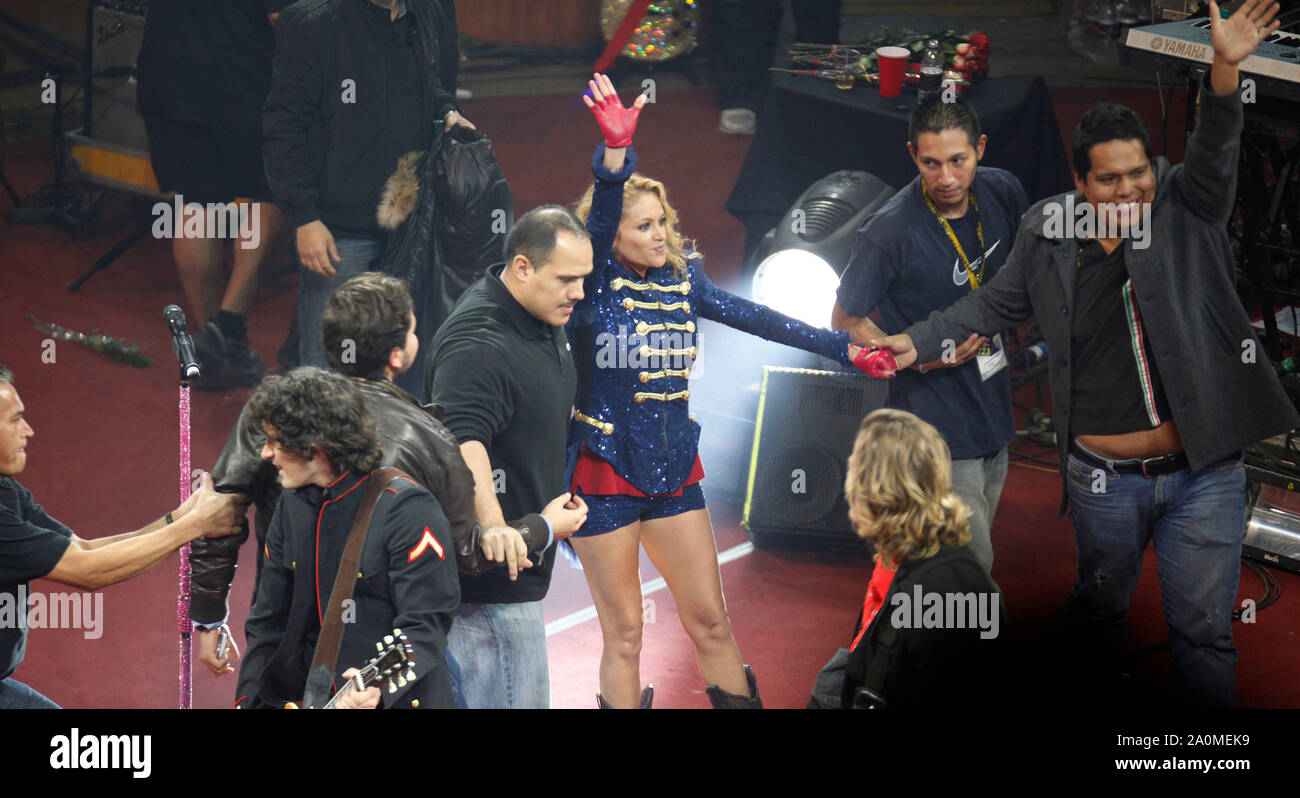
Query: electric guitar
x=394 y=665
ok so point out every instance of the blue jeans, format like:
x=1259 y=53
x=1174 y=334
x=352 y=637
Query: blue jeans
x=496 y=655
x=16 y=695
x=1196 y=521
x=978 y=481
x=314 y=291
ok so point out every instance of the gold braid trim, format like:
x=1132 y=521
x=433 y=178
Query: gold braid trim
x=646 y=376
x=645 y=327
x=619 y=283
x=631 y=304
x=603 y=426
x=640 y=397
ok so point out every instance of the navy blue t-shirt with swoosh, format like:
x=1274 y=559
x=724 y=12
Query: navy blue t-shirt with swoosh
x=904 y=264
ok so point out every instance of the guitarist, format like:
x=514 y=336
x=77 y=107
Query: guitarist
x=319 y=435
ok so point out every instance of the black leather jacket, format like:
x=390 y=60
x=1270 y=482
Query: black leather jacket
x=414 y=440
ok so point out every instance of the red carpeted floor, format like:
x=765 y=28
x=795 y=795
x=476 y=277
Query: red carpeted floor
x=104 y=456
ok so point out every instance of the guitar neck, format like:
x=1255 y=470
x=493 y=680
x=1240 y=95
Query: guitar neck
x=361 y=681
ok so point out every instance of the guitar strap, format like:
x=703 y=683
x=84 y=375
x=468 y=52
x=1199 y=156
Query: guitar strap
x=320 y=679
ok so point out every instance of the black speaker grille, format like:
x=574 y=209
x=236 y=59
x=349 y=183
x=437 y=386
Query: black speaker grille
x=804 y=484
x=824 y=398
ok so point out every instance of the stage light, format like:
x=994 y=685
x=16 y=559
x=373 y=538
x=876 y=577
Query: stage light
x=801 y=259
x=798 y=283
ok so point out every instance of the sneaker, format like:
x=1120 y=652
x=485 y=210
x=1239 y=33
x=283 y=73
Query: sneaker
x=738 y=122
x=225 y=363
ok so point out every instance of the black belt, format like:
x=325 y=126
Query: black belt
x=1147 y=467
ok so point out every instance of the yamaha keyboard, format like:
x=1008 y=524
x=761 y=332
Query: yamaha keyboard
x=1277 y=59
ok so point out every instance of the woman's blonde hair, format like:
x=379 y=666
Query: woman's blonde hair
x=899 y=488
x=677 y=245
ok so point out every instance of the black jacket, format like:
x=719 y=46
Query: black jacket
x=1219 y=382
x=404 y=580
x=414 y=440
x=327 y=157
x=932 y=667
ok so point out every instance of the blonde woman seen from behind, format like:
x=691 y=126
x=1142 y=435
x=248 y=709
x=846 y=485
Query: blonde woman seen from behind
x=932 y=616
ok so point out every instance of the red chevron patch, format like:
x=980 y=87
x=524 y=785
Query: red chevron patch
x=426 y=542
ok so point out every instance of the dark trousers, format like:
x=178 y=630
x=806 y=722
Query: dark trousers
x=743 y=38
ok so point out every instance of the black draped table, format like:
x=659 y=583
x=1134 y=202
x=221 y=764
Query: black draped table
x=809 y=129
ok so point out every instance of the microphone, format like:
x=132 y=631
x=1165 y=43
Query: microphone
x=181 y=342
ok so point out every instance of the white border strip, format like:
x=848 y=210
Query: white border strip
x=586 y=614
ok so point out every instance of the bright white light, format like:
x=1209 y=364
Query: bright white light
x=799 y=284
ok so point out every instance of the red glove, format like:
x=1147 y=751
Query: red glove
x=875 y=362
x=616 y=122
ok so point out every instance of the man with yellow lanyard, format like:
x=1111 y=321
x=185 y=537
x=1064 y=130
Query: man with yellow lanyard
x=941 y=237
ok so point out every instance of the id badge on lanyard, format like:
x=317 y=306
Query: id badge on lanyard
x=992 y=357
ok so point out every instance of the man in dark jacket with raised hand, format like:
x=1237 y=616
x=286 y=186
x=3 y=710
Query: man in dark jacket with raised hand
x=369 y=330
x=355 y=86
x=1157 y=376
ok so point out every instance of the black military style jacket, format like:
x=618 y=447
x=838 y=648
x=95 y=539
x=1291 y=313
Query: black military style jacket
x=405 y=579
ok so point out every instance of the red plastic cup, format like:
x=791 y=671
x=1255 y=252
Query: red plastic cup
x=891 y=61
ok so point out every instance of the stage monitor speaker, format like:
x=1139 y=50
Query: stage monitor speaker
x=807 y=421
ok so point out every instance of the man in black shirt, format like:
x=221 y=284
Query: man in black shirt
x=33 y=545
x=1155 y=381
x=355 y=86
x=502 y=369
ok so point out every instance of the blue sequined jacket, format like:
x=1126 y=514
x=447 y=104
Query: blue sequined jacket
x=635 y=340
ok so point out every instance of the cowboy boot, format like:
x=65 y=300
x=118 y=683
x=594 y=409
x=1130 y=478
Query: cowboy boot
x=647 y=698
x=721 y=699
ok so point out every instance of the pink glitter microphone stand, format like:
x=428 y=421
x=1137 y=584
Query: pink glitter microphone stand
x=183 y=625
x=189 y=369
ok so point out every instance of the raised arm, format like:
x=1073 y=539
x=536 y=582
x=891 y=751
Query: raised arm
x=614 y=165
x=1210 y=167
x=1237 y=37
